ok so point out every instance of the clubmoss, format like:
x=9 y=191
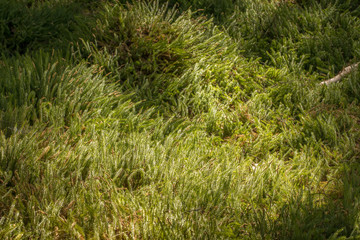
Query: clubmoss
x=166 y=124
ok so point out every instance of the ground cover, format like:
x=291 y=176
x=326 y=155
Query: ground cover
x=155 y=120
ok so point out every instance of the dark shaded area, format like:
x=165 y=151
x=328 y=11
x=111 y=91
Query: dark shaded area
x=31 y=25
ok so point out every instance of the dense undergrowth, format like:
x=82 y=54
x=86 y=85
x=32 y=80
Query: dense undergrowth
x=157 y=120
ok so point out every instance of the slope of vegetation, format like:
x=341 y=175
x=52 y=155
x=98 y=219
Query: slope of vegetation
x=199 y=119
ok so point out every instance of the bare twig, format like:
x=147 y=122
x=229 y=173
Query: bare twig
x=344 y=72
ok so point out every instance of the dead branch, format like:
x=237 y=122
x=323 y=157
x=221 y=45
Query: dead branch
x=344 y=72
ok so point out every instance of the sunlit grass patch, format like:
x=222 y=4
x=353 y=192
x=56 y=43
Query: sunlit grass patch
x=183 y=63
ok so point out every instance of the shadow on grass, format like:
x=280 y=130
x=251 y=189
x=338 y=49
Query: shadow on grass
x=30 y=25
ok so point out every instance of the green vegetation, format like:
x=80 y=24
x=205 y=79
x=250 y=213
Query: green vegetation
x=157 y=120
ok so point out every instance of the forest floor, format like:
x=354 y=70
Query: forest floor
x=179 y=120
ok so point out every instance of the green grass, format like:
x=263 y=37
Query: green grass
x=146 y=120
